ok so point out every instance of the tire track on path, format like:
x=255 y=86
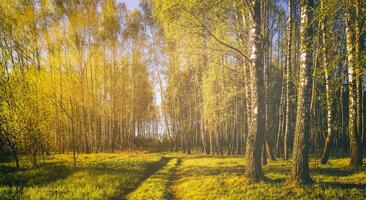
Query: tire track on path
x=159 y=184
x=173 y=178
x=150 y=172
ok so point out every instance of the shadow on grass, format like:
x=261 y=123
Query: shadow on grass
x=18 y=179
x=173 y=175
x=42 y=175
x=5 y=158
x=333 y=171
x=154 y=167
x=7 y=169
x=360 y=186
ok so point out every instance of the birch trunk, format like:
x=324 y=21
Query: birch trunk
x=328 y=93
x=355 y=148
x=287 y=83
x=255 y=138
x=300 y=166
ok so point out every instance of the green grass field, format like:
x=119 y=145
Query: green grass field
x=172 y=176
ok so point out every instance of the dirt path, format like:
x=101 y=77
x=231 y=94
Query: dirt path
x=150 y=172
x=173 y=177
x=160 y=184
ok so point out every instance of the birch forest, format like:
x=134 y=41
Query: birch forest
x=211 y=99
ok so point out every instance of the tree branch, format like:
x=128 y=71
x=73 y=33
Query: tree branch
x=219 y=40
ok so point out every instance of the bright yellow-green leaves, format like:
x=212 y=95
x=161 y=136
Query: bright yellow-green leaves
x=204 y=75
x=73 y=71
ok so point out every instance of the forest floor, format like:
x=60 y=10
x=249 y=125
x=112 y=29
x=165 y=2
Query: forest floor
x=172 y=176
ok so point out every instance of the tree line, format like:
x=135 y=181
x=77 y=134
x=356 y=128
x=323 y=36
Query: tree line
x=74 y=78
x=266 y=79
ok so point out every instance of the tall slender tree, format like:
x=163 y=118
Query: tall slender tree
x=352 y=62
x=328 y=92
x=255 y=138
x=300 y=166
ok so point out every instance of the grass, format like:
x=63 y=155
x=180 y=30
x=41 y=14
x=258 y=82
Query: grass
x=158 y=185
x=98 y=176
x=174 y=176
x=222 y=178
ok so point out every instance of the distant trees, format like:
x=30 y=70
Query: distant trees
x=74 y=79
x=205 y=92
x=229 y=76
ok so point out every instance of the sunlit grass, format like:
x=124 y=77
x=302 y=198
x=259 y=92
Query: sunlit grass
x=222 y=178
x=98 y=176
x=174 y=176
x=158 y=186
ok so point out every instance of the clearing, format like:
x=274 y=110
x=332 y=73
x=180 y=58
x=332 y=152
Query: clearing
x=172 y=176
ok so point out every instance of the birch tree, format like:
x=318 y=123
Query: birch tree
x=300 y=167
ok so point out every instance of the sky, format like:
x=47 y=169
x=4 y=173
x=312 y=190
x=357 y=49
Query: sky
x=131 y=4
